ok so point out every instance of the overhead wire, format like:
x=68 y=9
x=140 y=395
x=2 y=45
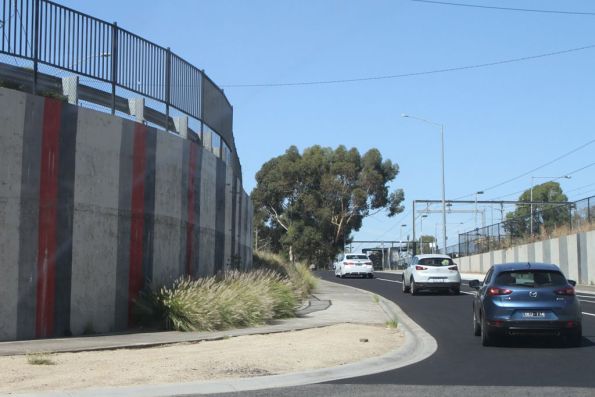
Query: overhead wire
x=580 y=147
x=535 y=10
x=412 y=74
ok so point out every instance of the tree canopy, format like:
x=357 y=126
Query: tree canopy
x=547 y=216
x=307 y=204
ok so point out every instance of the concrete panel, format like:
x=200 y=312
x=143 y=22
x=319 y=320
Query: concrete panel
x=484 y=262
x=521 y=253
x=12 y=120
x=229 y=198
x=463 y=263
x=563 y=254
x=537 y=252
x=573 y=269
x=249 y=235
x=590 y=254
x=29 y=218
x=530 y=252
x=500 y=257
x=509 y=255
x=583 y=266
x=554 y=246
x=168 y=253
x=547 y=251
x=206 y=249
x=95 y=222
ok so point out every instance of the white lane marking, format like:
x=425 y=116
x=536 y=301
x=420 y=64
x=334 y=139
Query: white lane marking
x=584 y=300
x=589 y=314
x=586 y=296
x=468 y=293
x=390 y=281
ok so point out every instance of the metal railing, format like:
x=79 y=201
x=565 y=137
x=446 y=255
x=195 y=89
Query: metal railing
x=47 y=33
x=547 y=223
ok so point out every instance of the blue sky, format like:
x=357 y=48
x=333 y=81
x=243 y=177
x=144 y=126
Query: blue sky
x=501 y=121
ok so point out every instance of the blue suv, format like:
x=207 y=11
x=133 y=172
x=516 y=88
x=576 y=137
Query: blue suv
x=526 y=298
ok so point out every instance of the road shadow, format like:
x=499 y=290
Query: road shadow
x=539 y=342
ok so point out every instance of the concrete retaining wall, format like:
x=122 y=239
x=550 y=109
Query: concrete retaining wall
x=575 y=254
x=94 y=208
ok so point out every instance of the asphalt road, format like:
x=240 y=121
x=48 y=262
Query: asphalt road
x=460 y=358
x=461 y=366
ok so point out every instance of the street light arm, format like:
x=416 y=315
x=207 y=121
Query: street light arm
x=420 y=119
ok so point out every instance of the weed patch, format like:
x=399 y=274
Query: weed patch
x=40 y=359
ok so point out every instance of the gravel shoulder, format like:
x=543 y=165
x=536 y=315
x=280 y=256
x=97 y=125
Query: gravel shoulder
x=237 y=357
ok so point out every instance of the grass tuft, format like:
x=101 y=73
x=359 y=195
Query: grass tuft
x=39 y=359
x=392 y=324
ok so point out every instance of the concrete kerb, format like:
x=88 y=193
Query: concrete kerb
x=418 y=346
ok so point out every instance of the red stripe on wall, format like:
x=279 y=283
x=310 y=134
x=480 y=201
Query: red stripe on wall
x=48 y=201
x=137 y=209
x=191 y=206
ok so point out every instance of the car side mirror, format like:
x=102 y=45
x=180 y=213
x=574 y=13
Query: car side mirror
x=572 y=282
x=474 y=284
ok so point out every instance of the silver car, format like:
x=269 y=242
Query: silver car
x=354 y=265
x=431 y=272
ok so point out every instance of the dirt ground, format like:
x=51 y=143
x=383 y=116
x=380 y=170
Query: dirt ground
x=242 y=356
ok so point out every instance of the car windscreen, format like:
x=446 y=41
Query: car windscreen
x=531 y=279
x=356 y=257
x=435 y=262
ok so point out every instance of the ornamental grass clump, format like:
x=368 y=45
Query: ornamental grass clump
x=232 y=300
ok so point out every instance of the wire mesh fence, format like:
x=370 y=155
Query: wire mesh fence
x=42 y=44
x=554 y=221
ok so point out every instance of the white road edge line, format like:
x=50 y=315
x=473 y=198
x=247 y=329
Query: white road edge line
x=390 y=281
x=468 y=293
x=585 y=300
x=589 y=314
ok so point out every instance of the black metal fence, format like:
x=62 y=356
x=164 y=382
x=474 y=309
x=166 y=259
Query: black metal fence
x=546 y=223
x=46 y=33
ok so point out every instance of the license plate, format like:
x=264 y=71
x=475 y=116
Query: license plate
x=437 y=279
x=533 y=314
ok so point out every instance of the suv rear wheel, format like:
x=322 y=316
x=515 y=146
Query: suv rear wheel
x=487 y=337
x=404 y=287
x=414 y=289
x=476 y=325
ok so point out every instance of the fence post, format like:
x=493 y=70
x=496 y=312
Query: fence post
x=167 y=86
x=36 y=31
x=114 y=64
x=589 y=209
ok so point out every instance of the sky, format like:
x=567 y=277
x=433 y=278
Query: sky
x=502 y=122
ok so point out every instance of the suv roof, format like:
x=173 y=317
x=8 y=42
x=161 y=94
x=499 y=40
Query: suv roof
x=504 y=267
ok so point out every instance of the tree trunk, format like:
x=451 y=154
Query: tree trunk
x=291 y=254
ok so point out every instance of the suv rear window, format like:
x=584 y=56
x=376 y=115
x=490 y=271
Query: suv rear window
x=436 y=262
x=531 y=278
x=356 y=257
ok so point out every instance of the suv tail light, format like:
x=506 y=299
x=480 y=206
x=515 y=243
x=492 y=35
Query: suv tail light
x=418 y=267
x=494 y=291
x=565 y=291
x=453 y=268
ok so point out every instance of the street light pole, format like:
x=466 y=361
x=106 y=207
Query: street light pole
x=401 y=238
x=421 y=232
x=476 y=194
x=443 y=179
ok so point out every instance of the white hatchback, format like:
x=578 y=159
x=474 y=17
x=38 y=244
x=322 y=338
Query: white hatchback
x=431 y=272
x=354 y=265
